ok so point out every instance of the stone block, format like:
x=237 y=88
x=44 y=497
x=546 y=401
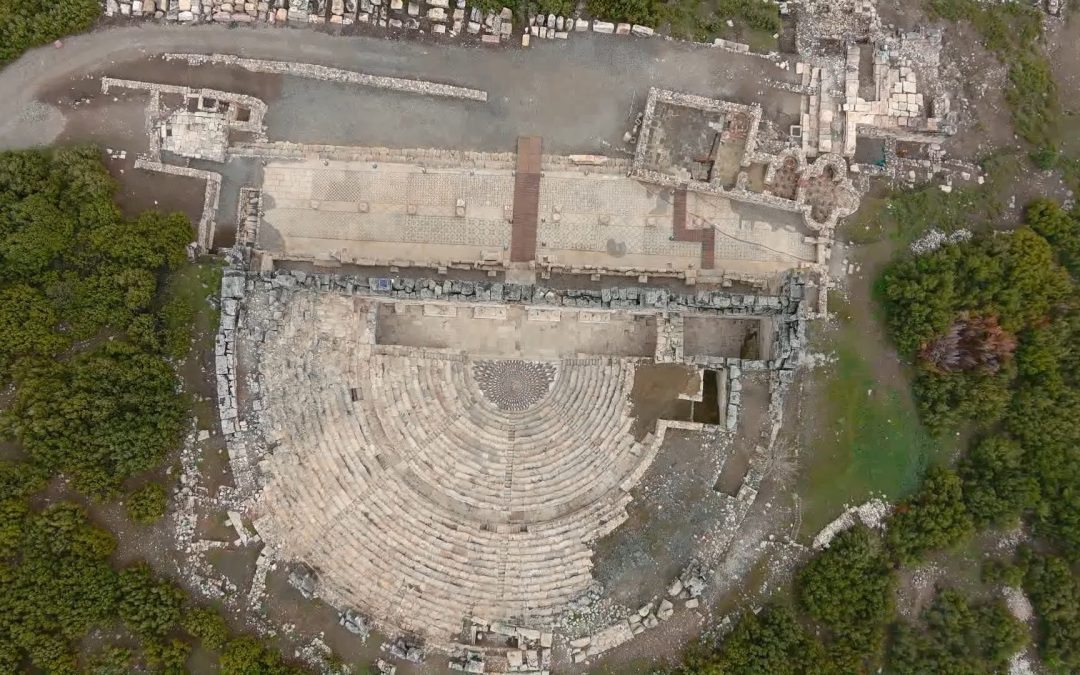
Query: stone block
x=622 y=29
x=603 y=27
x=641 y=31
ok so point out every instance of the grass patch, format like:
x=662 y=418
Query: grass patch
x=905 y=215
x=870 y=440
x=754 y=22
x=1013 y=32
x=187 y=319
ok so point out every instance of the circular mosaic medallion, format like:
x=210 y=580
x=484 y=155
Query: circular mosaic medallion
x=514 y=385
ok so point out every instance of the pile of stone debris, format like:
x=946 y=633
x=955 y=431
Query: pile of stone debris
x=687 y=589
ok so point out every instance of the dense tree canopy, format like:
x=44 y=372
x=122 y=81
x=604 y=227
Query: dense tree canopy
x=770 y=642
x=70 y=264
x=1011 y=276
x=206 y=624
x=83 y=323
x=100 y=417
x=957 y=637
x=245 y=655
x=936 y=518
x=1054 y=591
x=848 y=589
x=148 y=606
x=1029 y=459
x=30 y=23
x=55 y=586
x=997 y=487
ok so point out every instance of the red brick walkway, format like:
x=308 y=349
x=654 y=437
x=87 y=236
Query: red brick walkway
x=707 y=236
x=526 y=200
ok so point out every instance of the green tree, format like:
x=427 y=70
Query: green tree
x=28 y=324
x=996 y=484
x=957 y=637
x=31 y=23
x=770 y=642
x=246 y=655
x=207 y=624
x=147 y=605
x=1054 y=591
x=848 y=588
x=1047 y=218
x=111 y=661
x=57 y=586
x=935 y=519
x=642 y=12
x=166 y=656
x=100 y=417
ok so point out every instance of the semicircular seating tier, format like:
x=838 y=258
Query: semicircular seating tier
x=427 y=487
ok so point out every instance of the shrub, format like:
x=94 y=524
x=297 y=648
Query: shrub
x=207 y=624
x=148 y=606
x=642 y=12
x=147 y=504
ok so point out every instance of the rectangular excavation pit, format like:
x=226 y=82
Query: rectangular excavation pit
x=517 y=336
x=730 y=338
x=688 y=138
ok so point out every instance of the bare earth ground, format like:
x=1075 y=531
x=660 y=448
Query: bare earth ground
x=579 y=95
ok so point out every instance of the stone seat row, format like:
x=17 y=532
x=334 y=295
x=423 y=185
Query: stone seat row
x=418 y=500
x=542 y=567
x=330 y=445
x=466 y=453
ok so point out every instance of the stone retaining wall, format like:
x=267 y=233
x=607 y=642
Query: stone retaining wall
x=207 y=223
x=329 y=74
x=431 y=157
x=651 y=300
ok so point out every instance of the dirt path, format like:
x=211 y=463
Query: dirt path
x=579 y=95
